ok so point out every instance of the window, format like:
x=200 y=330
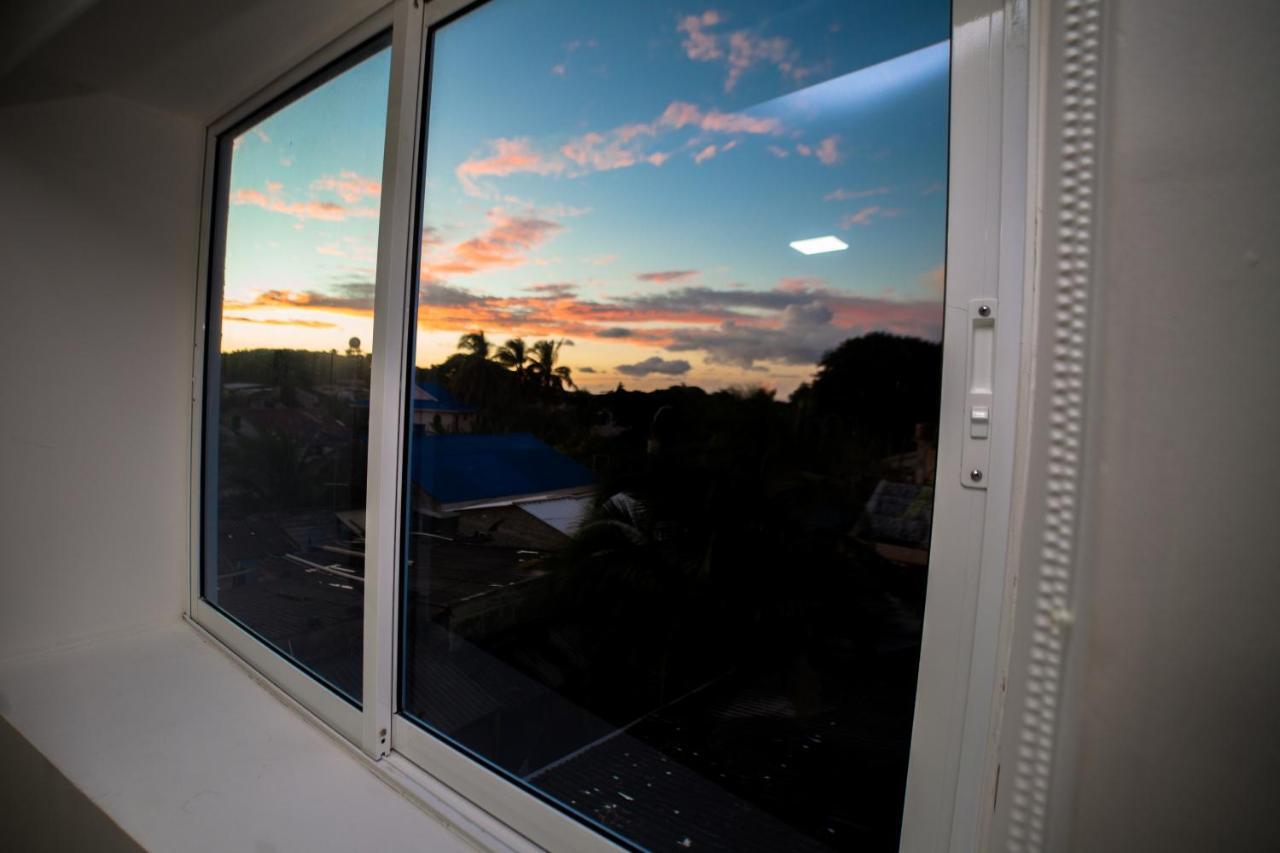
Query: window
x=640 y=510
x=287 y=383
x=670 y=472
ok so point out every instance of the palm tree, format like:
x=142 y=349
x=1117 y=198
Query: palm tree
x=515 y=355
x=544 y=356
x=475 y=344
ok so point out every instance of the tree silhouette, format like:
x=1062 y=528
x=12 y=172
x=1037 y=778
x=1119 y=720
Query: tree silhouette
x=475 y=344
x=515 y=355
x=544 y=356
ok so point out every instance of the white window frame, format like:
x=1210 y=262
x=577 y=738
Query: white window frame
x=951 y=772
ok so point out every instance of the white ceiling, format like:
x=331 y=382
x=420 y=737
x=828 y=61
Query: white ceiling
x=192 y=57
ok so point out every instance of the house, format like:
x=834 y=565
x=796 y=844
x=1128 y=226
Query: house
x=435 y=409
x=510 y=489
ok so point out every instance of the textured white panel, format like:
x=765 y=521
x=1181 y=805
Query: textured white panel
x=1079 y=32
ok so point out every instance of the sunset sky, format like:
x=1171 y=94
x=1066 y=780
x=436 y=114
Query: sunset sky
x=628 y=176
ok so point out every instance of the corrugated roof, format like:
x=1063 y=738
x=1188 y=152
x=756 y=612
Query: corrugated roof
x=430 y=397
x=467 y=468
x=564 y=514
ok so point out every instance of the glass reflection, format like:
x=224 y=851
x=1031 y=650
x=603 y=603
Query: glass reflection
x=287 y=410
x=670 y=479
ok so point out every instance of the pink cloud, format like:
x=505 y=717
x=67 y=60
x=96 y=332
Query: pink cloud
x=699 y=45
x=828 y=151
x=558 y=69
x=867 y=214
x=935 y=279
x=597 y=152
x=740 y=50
x=778 y=152
x=849 y=195
x=306 y=324
x=745 y=50
x=349 y=186
x=322 y=210
x=705 y=154
x=601 y=151
x=667 y=276
x=680 y=114
x=508 y=242
x=509 y=157
x=801 y=284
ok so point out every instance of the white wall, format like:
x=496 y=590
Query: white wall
x=1178 y=745
x=98 y=227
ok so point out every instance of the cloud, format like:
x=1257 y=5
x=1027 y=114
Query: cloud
x=306 y=324
x=558 y=69
x=935 y=279
x=801 y=284
x=508 y=242
x=507 y=157
x=559 y=289
x=354 y=298
x=680 y=114
x=828 y=151
x=614 y=332
x=440 y=295
x=711 y=151
x=866 y=215
x=654 y=364
x=273 y=200
x=740 y=50
x=602 y=151
x=849 y=195
x=586 y=370
x=665 y=276
x=779 y=152
x=745 y=50
x=698 y=45
x=598 y=152
x=805 y=331
x=350 y=186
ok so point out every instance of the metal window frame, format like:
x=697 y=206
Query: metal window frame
x=951 y=773
x=350 y=721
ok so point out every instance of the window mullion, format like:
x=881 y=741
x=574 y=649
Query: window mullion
x=393 y=303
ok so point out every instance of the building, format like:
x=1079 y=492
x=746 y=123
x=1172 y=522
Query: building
x=435 y=409
x=509 y=489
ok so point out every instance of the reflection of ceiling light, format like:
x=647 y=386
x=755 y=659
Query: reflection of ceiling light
x=818 y=245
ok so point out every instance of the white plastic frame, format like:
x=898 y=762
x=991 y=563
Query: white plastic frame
x=343 y=717
x=951 y=769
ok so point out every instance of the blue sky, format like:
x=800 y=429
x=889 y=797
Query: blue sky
x=628 y=176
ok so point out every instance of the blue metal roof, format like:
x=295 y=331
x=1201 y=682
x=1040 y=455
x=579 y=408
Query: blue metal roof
x=468 y=467
x=428 y=396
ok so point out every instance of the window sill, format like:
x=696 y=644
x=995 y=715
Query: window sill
x=168 y=737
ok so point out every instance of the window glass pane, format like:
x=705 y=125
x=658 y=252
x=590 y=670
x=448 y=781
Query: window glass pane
x=671 y=465
x=287 y=406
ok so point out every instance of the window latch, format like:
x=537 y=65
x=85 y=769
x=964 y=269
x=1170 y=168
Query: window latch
x=976 y=444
